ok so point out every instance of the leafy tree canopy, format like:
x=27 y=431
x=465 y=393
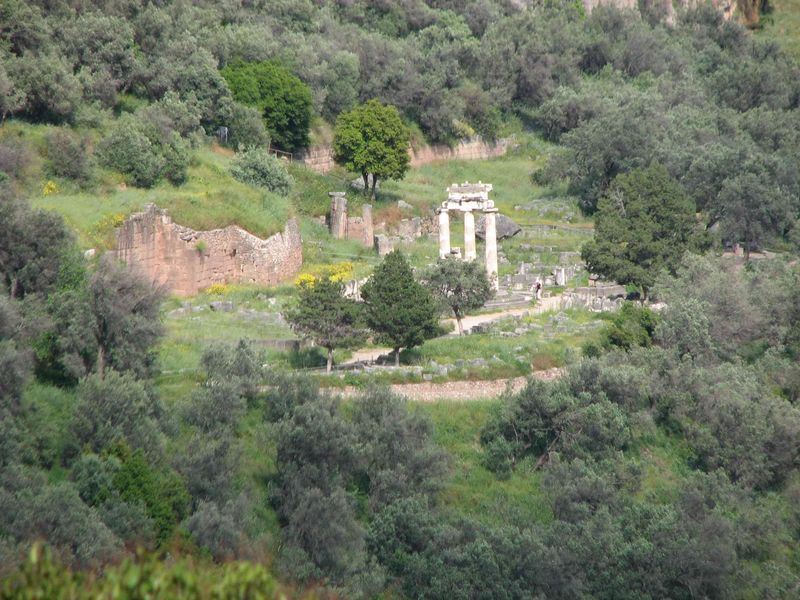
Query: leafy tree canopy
x=372 y=140
x=459 y=286
x=644 y=224
x=285 y=101
x=325 y=315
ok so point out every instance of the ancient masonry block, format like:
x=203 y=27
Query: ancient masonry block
x=186 y=261
x=351 y=228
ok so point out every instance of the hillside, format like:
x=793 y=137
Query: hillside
x=166 y=447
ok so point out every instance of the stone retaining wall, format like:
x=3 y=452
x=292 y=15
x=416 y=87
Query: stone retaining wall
x=186 y=261
x=320 y=158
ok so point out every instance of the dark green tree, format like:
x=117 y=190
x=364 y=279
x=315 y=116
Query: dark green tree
x=285 y=101
x=326 y=316
x=125 y=319
x=644 y=224
x=32 y=245
x=399 y=309
x=372 y=140
x=459 y=286
x=752 y=210
x=116 y=409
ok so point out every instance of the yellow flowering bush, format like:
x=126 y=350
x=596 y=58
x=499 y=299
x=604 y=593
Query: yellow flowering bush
x=336 y=272
x=217 y=289
x=50 y=188
x=305 y=280
x=339 y=272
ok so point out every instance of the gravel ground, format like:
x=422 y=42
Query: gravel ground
x=459 y=390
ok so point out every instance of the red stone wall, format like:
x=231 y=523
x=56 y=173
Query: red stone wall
x=320 y=158
x=187 y=261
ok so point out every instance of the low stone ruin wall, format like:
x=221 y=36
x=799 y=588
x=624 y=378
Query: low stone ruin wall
x=186 y=261
x=598 y=299
x=320 y=158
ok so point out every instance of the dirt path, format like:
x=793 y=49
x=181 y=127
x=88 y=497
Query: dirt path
x=542 y=305
x=462 y=391
x=545 y=304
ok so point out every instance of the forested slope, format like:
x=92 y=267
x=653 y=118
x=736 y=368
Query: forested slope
x=664 y=463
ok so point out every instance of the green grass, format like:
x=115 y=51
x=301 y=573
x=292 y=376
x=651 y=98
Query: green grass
x=782 y=24
x=542 y=347
x=473 y=490
x=209 y=199
x=424 y=187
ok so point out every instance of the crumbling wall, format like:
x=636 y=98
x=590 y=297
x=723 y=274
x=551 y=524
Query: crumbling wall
x=343 y=226
x=186 y=261
x=320 y=158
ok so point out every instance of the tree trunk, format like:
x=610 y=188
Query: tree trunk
x=397 y=357
x=330 y=360
x=460 y=326
x=747 y=252
x=14 y=287
x=374 y=183
x=365 y=176
x=101 y=362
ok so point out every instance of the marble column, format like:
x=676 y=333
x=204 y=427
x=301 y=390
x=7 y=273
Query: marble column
x=338 y=220
x=469 y=236
x=444 y=233
x=491 y=246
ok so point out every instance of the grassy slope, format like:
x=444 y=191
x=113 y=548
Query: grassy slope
x=472 y=489
x=783 y=25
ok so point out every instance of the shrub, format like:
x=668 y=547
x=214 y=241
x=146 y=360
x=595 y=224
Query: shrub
x=15 y=157
x=50 y=188
x=128 y=149
x=113 y=409
x=145 y=154
x=282 y=97
x=246 y=127
x=256 y=167
x=176 y=159
x=68 y=155
x=216 y=289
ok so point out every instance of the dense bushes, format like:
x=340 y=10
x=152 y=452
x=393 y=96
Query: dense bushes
x=68 y=156
x=326 y=462
x=257 y=167
x=139 y=151
x=284 y=100
x=44 y=576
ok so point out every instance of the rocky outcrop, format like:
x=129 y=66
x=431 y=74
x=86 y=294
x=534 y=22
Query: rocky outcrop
x=506 y=227
x=748 y=9
x=186 y=261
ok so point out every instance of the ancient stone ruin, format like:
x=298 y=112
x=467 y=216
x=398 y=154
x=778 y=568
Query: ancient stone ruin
x=468 y=198
x=381 y=236
x=350 y=228
x=186 y=261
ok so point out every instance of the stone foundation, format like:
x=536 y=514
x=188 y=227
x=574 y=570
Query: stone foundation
x=186 y=261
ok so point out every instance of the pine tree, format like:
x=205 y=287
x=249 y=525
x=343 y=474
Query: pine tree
x=324 y=315
x=398 y=308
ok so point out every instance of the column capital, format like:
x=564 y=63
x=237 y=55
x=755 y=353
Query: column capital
x=491 y=209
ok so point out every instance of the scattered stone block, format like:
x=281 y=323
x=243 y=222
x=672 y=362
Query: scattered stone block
x=222 y=306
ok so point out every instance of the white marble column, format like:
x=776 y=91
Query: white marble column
x=491 y=246
x=469 y=236
x=444 y=233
